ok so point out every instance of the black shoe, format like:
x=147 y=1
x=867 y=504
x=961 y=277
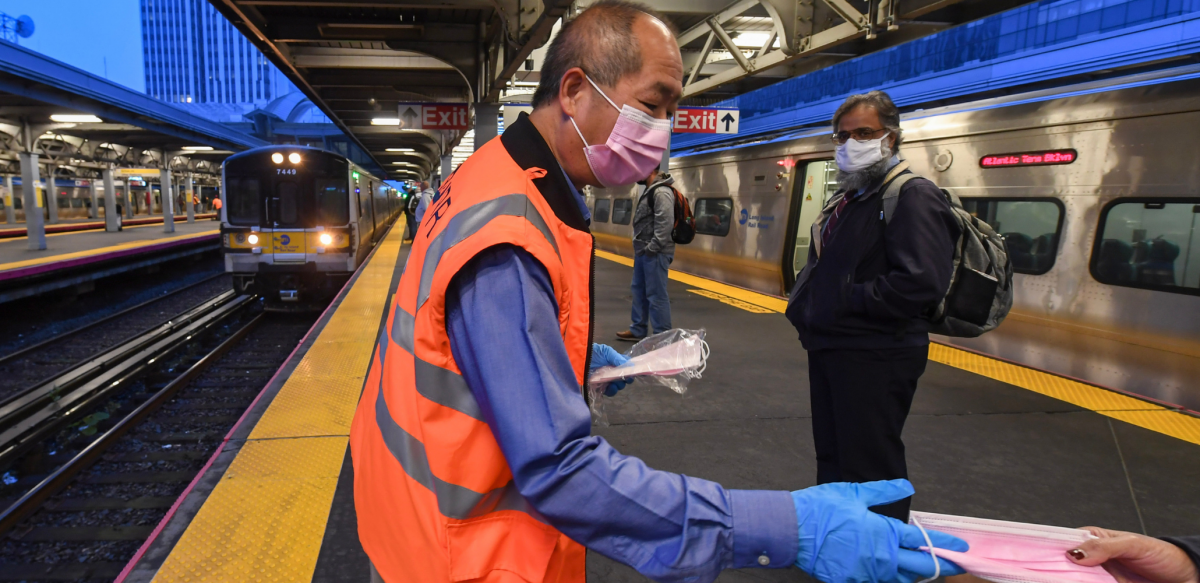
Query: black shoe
x=628 y=336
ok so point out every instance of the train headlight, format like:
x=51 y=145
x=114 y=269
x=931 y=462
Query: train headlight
x=294 y=158
x=252 y=239
x=326 y=239
x=277 y=158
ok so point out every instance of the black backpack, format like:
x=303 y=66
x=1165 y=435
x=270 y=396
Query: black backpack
x=685 y=222
x=981 y=286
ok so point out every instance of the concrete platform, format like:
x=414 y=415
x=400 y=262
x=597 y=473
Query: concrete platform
x=985 y=438
x=71 y=225
x=74 y=258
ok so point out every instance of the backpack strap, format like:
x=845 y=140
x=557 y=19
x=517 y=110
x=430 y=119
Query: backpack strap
x=891 y=194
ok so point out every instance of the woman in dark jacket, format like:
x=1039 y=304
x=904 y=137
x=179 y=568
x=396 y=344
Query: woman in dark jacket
x=1133 y=558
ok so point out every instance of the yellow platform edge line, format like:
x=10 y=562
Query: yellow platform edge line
x=121 y=247
x=750 y=297
x=265 y=520
x=1111 y=404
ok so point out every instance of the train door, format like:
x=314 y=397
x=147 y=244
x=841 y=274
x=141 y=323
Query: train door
x=375 y=231
x=816 y=183
x=285 y=217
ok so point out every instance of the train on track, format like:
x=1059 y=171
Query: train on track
x=299 y=221
x=1095 y=187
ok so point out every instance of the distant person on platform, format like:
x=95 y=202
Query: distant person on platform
x=427 y=196
x=861 y=300
x=410 y=214
x=653 y=251
x=216 y=203
x=472 y=446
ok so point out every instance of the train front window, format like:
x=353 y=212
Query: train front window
x=713 y=216
x=1149 y=243
x=332 y=201
x=244 y=201
x=1030 y=226
x=287 y=204
x=622 y=211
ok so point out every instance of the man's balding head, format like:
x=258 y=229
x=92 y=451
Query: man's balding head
x=630 y=53
x=601 y=41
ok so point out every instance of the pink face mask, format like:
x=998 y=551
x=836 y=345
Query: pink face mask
x=633 y=149
x=1013 y=552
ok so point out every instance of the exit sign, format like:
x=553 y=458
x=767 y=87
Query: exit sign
x=434 y=116
x=706 y=120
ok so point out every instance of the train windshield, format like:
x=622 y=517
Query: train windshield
x=301 y=195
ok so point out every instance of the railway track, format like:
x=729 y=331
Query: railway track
x=45 y=359
x=89 y=472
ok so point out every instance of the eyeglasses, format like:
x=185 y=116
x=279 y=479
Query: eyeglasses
x=860 y=134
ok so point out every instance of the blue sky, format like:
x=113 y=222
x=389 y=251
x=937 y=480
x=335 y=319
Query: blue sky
x=102 y=37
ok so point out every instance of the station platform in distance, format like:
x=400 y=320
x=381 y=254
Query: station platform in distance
x=73 y=225
x=77 y=257
x=985 y=438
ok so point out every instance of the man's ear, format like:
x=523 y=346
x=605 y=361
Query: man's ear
x=571 y=90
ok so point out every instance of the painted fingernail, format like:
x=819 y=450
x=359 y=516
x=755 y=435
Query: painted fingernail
x=1077 y=554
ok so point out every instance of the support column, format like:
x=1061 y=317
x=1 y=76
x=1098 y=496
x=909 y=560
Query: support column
x=486 y=116
x=32 y=193
x=165 y=190
x=51 y=195
x=666 y=160
x=112 y=222
x=190 y=193
x=94 y=210
x=10 y=213
x=129 y=208
x=447 y=166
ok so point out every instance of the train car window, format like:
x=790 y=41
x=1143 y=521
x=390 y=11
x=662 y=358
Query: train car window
x=288 y=210
x=1031 y=228
x=332 y=201
x=1152 y=244
x=244 y=202
x=601 y=214
x=713 y=216
x=622 y=211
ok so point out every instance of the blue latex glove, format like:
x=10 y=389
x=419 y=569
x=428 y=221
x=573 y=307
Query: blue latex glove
x=605 y=355
x=841 y=541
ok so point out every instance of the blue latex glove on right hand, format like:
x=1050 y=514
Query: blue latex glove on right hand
x=842 y=542
x=605 y=355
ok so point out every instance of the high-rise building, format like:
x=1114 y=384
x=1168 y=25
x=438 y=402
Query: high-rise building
x=192 y=54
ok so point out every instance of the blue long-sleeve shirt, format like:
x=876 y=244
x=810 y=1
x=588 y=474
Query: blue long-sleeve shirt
x=502 y=320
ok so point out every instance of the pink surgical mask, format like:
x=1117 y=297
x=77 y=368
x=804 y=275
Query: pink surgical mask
x=1013 y=552
x=633 y=149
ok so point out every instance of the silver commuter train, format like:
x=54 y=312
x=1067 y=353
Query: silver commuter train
x=1096 y=188
x=298 y=221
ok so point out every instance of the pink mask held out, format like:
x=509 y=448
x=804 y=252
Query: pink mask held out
x=633 y=149
x=1013 y=552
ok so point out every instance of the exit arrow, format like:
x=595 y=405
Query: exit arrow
x=728 y=119
x=410 y=117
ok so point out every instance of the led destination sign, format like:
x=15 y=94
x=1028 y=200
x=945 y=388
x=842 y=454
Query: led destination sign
x=1044 y=158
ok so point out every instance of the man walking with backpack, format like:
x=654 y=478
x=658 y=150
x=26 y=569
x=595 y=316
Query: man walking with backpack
x=653 y=251
x=863 y=302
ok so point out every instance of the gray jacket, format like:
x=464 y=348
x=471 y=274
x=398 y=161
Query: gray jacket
x=652 y=229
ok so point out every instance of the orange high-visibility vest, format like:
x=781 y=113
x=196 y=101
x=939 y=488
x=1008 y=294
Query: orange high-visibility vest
x=434 y=494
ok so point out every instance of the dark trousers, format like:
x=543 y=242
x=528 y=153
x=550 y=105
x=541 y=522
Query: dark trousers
x=860 y=400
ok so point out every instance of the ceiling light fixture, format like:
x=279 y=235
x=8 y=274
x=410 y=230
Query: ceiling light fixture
x=401 y=150
x=385 y=121
x=75 y=118
x=198 y=148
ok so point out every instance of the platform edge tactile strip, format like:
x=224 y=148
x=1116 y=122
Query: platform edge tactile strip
x=14 y=265
x=265 y=519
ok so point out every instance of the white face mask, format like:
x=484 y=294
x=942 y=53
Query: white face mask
x=855 y=155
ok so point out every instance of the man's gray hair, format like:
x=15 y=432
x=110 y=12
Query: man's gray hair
x=600 y=41
x=881 y=102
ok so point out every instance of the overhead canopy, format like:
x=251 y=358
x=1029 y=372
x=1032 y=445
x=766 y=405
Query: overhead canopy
x=111 y=124
x=359 y=59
